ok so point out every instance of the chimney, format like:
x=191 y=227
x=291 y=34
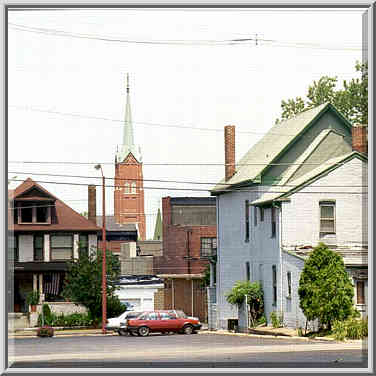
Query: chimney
x=229 y=151
x=92 y=198
x=360 y=138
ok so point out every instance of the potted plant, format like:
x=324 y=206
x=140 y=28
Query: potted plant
x=45 y=331
x=33 y=299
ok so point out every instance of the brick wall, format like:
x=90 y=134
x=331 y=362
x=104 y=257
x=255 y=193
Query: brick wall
x=159 y=301
x=178 y=242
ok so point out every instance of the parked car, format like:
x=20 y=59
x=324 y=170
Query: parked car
x=163 y=321
x=114 y=323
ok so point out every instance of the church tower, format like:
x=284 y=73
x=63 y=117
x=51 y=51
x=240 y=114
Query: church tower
x=129 y=185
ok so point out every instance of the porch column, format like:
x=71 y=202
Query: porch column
x=35 y=282
x=40 y=286
x=173 y=293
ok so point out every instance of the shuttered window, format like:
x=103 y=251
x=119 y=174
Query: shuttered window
x=61 y=246
x=327 y=217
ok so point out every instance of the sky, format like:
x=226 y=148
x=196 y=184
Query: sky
x=67 y=80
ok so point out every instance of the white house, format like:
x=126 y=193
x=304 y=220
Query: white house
x=303 y=183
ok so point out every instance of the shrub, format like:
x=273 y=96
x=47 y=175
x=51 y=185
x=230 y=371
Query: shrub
x=325 y=289
x=114 y=306
x=276 y=319
x=254 y=294
x=352 y=329
x=45 y=331
x=32 y=298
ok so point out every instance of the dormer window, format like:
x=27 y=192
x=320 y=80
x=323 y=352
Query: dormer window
x=34 y=213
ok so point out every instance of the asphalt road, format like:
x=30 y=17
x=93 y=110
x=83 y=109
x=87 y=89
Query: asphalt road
x=200 y=350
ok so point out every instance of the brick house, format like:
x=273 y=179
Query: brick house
x=189 y=238
x=43 y=234
x=300 y=185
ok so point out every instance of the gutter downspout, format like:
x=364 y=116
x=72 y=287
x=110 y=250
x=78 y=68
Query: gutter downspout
x=192 y=295
x=280 y=256
x=173 y=293
x=188 y=253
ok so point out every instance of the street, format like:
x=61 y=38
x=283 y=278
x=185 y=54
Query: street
x=201 y=350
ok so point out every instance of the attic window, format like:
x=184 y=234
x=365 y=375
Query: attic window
x=34 y=213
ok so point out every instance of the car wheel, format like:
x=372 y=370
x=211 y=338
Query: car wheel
x=143 y=331
x=188 y=329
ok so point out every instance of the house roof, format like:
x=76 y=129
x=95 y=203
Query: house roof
x=275 y=141
x=139 y=280
x=351 y=257
x=283 y=191
x=112 y=225
x=65 y=218
x=196 y=201
x=150 y=247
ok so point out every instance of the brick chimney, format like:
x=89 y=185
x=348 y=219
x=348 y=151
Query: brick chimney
x=229 y=151
x=92 y=199
x=360 y=138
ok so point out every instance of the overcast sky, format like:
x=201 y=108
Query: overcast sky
x=187 y=82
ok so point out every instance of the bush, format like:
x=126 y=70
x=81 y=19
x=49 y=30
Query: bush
x=45 y=331
x=352 y=329
x=72 y=320
x=32 y=298
x=276 y=319
x=254 y=294
x=114 y=306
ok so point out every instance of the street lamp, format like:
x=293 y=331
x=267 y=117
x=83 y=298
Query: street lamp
x=104 y=291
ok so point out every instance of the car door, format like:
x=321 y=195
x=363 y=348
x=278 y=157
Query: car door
x=154 y=322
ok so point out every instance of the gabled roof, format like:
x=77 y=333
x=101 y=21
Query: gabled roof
x=64 y=218
x=273 y=144
x=283 y=191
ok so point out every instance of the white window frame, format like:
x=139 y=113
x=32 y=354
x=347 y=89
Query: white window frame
x=327 y=203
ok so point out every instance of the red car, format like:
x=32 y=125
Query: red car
x=161 y=321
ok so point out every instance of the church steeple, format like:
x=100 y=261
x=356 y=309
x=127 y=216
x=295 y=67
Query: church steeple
x=128 y=145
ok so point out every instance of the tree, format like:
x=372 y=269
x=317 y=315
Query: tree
x=351 y=100
x=83 y=283
x=255 y=297
x=325 y=289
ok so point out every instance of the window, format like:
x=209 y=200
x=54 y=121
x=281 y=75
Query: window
x=289 y=284
x=248 y=271
x=34 y=213
x=208 y=247
x=327 y=217
x=261 y=214
x=166 y=316
x=360 y=292
x=152 y=316
x=274 y=269
x=127 y=188
x=61 y=246
x=83 y=244
x=38 y=248
x=247 y=221
x=133 y=185
x=273 y=222
x=255 y=215
x=12 y=248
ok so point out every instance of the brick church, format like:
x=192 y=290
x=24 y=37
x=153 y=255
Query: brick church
x=129 y=186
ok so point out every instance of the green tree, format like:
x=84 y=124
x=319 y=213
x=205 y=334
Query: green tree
x=83 y=283
x=255 y=297
x=325 y=289
x=351 y=100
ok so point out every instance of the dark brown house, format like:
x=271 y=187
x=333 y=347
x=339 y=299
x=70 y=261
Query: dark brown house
x=43 y=234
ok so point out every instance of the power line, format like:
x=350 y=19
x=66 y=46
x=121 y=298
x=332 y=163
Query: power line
x=193 y=189
x=27 y=108
x=177 y=164
x=234 y=41
x=166 y=181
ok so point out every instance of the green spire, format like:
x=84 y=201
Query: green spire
x=128 y=145
x=158 y=227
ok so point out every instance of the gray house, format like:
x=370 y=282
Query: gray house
x=301 y=184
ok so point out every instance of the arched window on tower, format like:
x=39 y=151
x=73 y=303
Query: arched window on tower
x=133 y=187
x=127 y=188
